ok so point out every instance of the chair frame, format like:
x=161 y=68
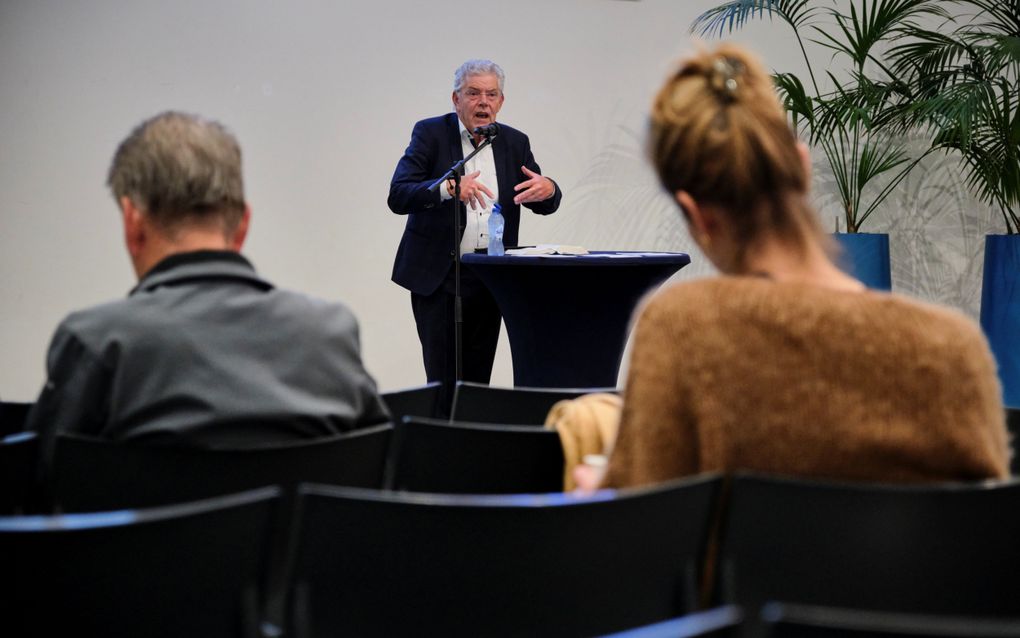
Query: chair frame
x=384 y=563
x=416 y=397
x=945 y=548
x=794 y=621
x=129 y=572
x=433 y=455
x=481 y=403
x=94 y=474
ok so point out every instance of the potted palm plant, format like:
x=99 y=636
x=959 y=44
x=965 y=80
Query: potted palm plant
x=963 y=77
x=946 y=69
x=849 y=113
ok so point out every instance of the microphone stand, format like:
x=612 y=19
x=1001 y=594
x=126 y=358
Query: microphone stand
x=455 y=173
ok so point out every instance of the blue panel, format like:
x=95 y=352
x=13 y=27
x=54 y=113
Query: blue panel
x=1000 y=310
x=866 y=257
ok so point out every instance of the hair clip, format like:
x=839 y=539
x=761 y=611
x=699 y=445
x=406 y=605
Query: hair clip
x=723 y=78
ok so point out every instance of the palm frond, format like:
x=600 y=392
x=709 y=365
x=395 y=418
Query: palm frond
x=928 y=52
x=996 y=16
x=798 y=104
x=731 y=16
x=862 y=30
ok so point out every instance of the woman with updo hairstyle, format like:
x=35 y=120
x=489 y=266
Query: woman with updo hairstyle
x=783 y=364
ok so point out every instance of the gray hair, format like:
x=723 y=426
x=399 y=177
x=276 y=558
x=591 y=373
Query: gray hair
x=180 y=167
x=477 y=67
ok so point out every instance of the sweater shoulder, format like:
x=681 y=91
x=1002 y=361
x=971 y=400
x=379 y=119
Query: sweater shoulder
x=726 y=303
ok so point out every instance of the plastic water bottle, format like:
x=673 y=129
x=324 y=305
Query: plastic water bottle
x=496 y=231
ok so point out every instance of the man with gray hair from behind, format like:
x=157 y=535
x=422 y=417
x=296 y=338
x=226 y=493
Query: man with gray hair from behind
x=203 y=352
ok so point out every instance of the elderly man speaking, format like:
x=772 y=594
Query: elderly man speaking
x=505 y=172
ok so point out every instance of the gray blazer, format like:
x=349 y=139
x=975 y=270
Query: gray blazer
x=206 y=353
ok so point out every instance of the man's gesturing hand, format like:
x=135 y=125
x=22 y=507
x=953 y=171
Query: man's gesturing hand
x=471 y=191
x=535 y=189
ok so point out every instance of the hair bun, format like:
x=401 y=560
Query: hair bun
x=723 y=77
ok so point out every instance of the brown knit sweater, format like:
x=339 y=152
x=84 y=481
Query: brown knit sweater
x=747 y=373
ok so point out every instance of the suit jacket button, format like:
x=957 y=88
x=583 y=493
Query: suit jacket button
x=451 y=253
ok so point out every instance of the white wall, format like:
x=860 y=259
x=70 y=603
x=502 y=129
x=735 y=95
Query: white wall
x=322 y=95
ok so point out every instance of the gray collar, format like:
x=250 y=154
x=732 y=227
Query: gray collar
x=203 y=265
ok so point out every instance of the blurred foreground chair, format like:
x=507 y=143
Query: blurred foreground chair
x=13 y=416
x=386 y=564
x=421 y=401
x=18 y=479
x=191 y=569
x=430 y=455
x=720 y=622
x=945 y=549
x=480 y=403
x=94 y=475
x=805 y=621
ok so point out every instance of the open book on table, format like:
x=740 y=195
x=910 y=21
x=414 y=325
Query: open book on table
x=548 y=249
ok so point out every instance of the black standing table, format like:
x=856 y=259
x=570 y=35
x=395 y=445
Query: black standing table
x=567 y=317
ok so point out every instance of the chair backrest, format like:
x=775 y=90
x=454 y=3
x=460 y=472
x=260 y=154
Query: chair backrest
x=719 y=622
x=19 y=454
x=186 y=570
x=421 y=401
x=413 y=564
x=13 y=416
x=807 y=621
x=948 y=549
x=429 y=455
x=480 y=403
x=95 y=475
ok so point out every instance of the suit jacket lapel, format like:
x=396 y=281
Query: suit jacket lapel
x=453 y=137
x=456 y=155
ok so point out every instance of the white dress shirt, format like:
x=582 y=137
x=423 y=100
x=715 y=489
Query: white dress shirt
x=476 y=231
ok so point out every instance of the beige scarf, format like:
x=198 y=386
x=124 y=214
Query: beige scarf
x=586 y=425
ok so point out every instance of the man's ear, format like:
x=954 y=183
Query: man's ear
x=135 y=231
x=241 y=232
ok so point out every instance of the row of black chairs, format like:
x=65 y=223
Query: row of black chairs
x=419 y=455
x=473 y=402
x=368 y=562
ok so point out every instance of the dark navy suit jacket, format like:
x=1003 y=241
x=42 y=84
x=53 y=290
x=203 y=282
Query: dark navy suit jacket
x=426 y=250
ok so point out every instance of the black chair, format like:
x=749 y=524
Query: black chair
x=480 y=403
x=1013 y=426
x=430 y=455
x=421 y=401
x=13 y=416
x=186 y=570
x=387 y=564
x=18 y=480
x=945 y=549
x=805 y=621
x=96 y=475
x=719 y=622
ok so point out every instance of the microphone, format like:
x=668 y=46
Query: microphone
x=489 y=130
